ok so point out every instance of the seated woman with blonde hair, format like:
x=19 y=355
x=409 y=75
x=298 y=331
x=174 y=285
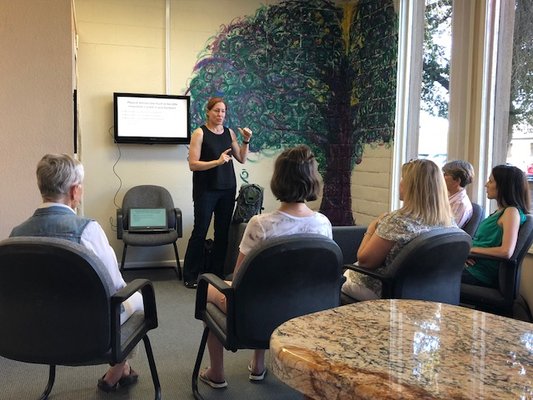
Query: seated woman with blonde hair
x=425 y=207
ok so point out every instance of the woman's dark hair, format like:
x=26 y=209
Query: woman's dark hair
x=296 y=177
x=512 y=187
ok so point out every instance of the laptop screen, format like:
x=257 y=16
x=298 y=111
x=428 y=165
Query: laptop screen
x=148 y=219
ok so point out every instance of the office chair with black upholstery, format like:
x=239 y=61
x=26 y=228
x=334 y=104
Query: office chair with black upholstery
x=429 y=267
x=349 y=239
x=474 y=221
x=56 y=308
x=149 y=196
x=281 y=279
x=501 y=300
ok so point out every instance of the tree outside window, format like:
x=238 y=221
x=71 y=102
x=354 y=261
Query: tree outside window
x=433 y=134
x=520 y=129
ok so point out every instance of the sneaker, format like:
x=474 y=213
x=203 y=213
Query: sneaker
x=215 y=385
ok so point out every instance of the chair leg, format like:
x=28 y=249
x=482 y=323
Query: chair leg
x=197 y=365
x=123 y=257
x=153 y=369
x=51 y=379
x=178 y=271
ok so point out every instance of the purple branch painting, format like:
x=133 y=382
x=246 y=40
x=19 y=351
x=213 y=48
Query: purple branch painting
x=307 y=72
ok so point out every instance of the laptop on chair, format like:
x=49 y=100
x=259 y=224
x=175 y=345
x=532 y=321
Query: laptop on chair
x=148 y=220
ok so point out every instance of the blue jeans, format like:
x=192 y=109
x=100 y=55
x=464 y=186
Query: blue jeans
x=221 y=204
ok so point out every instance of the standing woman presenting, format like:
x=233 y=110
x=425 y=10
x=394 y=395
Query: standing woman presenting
x=212 y=150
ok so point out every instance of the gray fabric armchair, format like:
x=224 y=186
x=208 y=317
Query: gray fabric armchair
x=281 y=279
x=149 y=196
x=429 y=267
x=57 y=308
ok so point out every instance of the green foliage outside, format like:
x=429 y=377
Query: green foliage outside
x=436 y=70
x=436 y=58
x=521 y=107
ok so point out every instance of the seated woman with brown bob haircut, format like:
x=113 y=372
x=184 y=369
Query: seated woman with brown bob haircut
x=295 y=181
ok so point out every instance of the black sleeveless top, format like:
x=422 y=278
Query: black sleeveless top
x=218 y=178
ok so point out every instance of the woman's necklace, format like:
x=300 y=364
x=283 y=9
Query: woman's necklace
x=217 y=129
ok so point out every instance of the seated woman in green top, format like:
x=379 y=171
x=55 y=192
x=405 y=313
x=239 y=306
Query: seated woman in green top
x=497 y=235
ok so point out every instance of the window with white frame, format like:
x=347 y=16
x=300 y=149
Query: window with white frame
x=519 y=112
x=490 y=92
x=434 y=100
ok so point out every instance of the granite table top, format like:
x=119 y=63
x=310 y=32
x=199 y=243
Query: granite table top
x=404 y=349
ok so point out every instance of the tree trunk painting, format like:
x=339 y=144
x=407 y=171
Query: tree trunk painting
x=307 y=72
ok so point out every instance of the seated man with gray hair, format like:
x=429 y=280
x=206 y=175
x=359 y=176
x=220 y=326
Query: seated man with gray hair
x=60 y=181
x=457 y=175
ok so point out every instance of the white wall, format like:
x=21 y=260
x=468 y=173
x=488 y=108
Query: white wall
x=35 y=98
x=122 y=49
x=371 y=184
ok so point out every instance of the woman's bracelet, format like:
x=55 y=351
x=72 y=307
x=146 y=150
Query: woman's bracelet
x=245 y=142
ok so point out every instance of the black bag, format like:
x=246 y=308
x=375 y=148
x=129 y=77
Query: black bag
x=249 y=202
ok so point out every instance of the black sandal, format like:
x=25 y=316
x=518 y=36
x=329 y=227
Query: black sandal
x=129 y=380
x=106 y=387
x=125 y=381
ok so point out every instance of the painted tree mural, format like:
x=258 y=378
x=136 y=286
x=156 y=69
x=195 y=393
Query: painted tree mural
x=307 y=72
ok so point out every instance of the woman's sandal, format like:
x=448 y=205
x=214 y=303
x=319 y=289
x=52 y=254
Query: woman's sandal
x=256 y=377
x=125 y=381
x=215 y=385
x=129 y=380
x=106 y=387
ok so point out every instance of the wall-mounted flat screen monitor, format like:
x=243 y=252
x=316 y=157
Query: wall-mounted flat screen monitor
x=151 y=118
